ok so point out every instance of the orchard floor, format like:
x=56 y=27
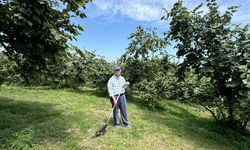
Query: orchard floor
x=46 y=118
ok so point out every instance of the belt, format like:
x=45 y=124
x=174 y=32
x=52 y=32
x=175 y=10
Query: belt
x=120 y=94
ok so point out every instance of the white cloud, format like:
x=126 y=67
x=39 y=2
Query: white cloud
x=151 y=10
x=141 y=10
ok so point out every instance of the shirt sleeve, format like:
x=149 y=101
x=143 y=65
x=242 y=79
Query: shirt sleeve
x=123 y=82
x=110 y=88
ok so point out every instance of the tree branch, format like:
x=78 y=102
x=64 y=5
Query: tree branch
x=213 y=114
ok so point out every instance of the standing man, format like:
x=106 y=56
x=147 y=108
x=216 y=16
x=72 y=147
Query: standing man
x=116 y=86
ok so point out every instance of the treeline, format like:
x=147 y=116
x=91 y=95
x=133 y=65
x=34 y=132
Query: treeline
x=77 y=69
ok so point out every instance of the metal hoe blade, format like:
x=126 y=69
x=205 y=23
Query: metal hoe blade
x=101 y=131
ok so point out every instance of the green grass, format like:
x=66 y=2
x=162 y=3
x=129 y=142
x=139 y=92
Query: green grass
x=44 y=118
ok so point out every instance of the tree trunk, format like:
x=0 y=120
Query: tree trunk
x=231 y=119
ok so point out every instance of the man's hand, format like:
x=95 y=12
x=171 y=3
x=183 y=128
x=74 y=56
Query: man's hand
x=127 y=83
x=114 y=100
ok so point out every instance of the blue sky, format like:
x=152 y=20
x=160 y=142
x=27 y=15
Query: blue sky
x=110 y=22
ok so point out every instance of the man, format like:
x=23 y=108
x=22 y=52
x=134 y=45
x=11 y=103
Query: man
x=116 y=86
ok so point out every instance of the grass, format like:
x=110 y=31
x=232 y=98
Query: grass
x=44 y=118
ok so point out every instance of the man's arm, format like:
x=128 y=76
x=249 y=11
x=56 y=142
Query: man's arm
x=110 y=88
x=111 y=92
x=114 y=100
x=125 y=83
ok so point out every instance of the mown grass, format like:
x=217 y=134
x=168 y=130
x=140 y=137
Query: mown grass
x=45 y=118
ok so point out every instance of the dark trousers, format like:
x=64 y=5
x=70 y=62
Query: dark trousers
x=121 y=104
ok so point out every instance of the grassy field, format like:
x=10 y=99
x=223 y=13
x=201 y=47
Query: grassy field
x=44 y=118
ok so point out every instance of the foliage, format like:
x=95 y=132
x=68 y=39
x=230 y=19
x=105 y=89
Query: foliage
x=77 y=69
x=3 y=68
x=8 y=72
x=219 y=51
x=141 y=57
x=33 y=32
x=150 y=68
x=87 y=67
x=168 y=86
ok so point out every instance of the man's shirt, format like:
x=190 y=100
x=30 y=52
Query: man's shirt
x=116 y=85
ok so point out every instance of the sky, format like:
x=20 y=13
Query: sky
x=110 y=22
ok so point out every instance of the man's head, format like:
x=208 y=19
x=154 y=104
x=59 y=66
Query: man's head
x=117 y=70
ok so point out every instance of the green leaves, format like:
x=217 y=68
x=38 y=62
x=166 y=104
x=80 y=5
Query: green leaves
x=28 y=25
x=80 y=27
x=144 y=42
x=82 y=15
x=243 y=68
x=142 y=54
x=214 y=49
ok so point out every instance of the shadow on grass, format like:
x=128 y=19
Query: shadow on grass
x=203 y=132
x=143 y=104
x=24 y=123
x=96 y=92
x=103 y=93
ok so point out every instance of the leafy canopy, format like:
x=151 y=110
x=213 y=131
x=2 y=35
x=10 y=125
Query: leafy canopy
x=38 y=31
x=219 y=50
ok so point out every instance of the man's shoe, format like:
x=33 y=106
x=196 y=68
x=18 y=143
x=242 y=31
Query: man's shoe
x=117 y=126
x=128 y=126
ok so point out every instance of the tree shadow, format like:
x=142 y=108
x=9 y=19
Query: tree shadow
x=24 y=123
x=197 y=129
x=142 y=103
x=96 y=92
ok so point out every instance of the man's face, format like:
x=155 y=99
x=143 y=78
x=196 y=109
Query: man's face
x=117 y=73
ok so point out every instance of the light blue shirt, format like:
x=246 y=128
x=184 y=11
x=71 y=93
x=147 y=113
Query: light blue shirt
x=116 y=85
